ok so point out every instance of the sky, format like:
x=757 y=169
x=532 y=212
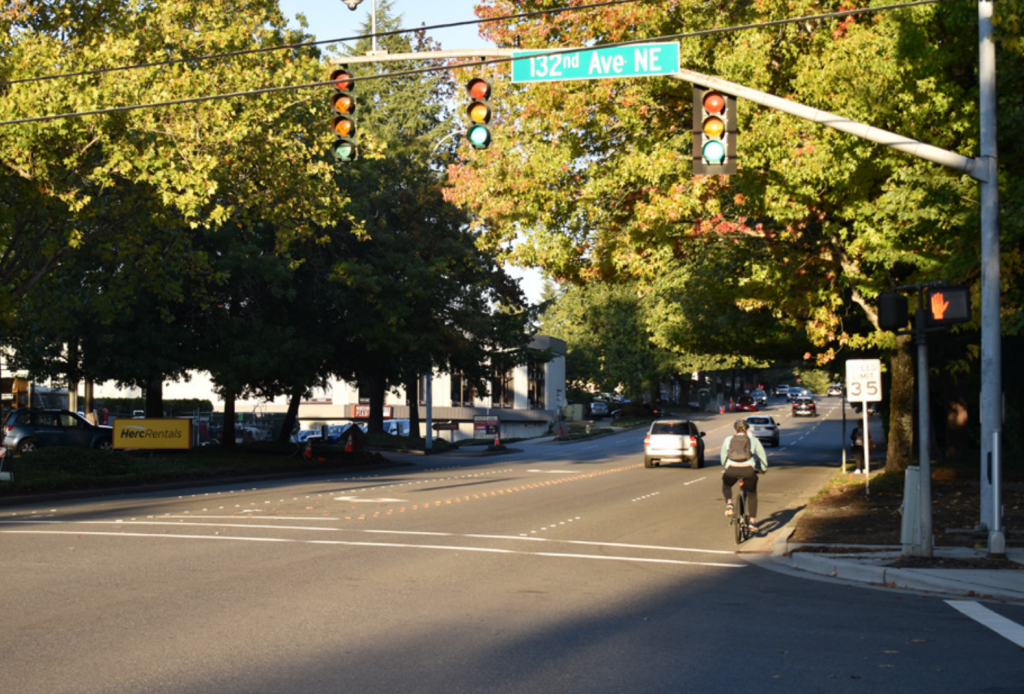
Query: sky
x=331 y=19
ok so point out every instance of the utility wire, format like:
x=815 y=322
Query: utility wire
x=307 y=44
x=479 y=63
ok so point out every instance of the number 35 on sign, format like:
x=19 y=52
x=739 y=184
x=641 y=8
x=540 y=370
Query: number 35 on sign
x=863 y=380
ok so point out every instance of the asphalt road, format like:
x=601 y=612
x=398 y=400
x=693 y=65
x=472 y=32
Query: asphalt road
x=556 y=568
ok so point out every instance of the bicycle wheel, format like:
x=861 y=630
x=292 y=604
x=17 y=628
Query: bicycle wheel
x=739 y=511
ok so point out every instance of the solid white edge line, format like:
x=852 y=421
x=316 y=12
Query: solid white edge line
x=265 y=526
x=197 y=523
x=347 y=543
x=1006 y=628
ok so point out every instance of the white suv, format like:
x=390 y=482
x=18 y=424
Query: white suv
x=674 y=441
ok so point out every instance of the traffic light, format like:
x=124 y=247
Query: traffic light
x=945 y=306
x=343 y=105
x=893 y=312
x=714 y=132
x=479 y=113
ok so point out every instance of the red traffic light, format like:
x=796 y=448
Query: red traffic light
x=478 y=88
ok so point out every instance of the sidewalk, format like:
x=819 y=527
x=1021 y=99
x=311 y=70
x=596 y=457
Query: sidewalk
x=867 y=565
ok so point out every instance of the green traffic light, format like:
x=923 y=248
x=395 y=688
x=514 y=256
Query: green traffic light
x=479 y=136
x=714 y=152
x=345 y=151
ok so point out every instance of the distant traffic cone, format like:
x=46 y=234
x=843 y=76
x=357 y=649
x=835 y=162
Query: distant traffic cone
x=348 y=444
x=497 y=440
x=732 y=405
x=308 y=453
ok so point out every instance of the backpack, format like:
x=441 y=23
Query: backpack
x=739 y=448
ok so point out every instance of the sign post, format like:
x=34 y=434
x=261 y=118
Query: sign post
x=864 y=385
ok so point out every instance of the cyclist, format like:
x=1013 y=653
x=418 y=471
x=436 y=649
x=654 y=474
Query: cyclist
x=743 y=457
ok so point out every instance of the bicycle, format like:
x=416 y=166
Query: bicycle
x=740 y=520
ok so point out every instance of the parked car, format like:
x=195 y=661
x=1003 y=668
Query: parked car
x=764 y=428
x=598 y=409
x=804 y=406
x=781 y=391
x=746 y=404
x=302 y=434
x=396 y=427
x=674 y=441
x=338 y=433
x=760 y=397
x=835 y=389
x=28 y=429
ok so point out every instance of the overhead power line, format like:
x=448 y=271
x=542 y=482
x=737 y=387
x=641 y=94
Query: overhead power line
x=308 y=44
x=478 y=63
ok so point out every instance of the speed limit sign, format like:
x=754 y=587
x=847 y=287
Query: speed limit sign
x=864 y=380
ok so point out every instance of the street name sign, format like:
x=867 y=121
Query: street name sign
x=864 y=380
x=638 y=60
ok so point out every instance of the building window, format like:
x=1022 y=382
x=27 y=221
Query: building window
x=535 y=387
x=462 y=391
x=364 y=394
x=502 y=394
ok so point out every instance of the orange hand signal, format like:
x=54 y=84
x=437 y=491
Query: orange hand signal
x=939 y=305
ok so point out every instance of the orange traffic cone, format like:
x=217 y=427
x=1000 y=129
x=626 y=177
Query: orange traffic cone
x=308 y=453
x=497 y=440
x=348 y=444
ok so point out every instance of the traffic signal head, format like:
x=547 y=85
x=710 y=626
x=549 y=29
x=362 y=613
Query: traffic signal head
x=893 y=312
x=479 y=113
x=945 y=306
x=714 y=132
x=343 y=105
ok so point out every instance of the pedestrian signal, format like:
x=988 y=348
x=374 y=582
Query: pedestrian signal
x=945 y=306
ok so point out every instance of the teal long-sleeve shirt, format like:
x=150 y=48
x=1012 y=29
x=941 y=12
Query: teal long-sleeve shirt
x=759 y=457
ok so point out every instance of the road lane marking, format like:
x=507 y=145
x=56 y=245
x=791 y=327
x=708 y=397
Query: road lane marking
x=1006 y=628
x=360 y=500
x=368 y=531
x=400 y=545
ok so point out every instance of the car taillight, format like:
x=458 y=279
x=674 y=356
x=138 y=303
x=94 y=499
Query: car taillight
x=647 y=440
x=693 y=441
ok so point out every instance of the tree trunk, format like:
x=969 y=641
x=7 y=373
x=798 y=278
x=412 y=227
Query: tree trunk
x=155 y=397
x=375 y=424
x=901 y=407
x=412 y=388
x=957 y=439
x=290 y=416
x=228 y=437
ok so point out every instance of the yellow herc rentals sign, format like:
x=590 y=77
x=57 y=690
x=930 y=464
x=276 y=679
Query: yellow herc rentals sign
x=152 y=433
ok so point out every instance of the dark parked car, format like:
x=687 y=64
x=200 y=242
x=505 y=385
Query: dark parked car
x=760 y=397
x=804 y=406
x=29 y=429
x=674 y=441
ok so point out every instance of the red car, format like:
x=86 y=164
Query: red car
x=746 y=404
